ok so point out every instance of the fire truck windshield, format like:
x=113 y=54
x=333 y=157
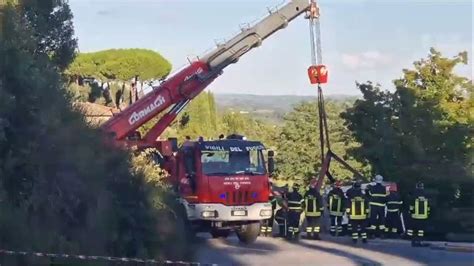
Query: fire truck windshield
x=233 y=163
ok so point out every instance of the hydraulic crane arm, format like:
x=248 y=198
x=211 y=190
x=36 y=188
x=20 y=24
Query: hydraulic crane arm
x=183 y=86
x=252 y=37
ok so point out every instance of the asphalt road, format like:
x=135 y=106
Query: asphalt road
x=330 y=251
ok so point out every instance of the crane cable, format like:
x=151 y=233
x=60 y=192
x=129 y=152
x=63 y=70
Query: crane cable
x=317 y=63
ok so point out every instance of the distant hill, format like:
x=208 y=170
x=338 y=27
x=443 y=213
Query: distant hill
x=267 y=107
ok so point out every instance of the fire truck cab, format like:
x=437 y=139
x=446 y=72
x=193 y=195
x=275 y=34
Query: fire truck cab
x=224 y=185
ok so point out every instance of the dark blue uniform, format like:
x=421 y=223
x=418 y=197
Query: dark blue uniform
x=392 y=220
x=336 y=202
x=378 y=199
x=419 y=213
x=295 y=202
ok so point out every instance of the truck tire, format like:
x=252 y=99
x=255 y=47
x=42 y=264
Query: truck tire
x=220 y=233
x=248 y=233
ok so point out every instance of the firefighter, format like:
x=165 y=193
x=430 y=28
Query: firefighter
x=419 y=213
x=267 y=227
x=335 y=201
x=366 y=191
x=394 y=204
x=377 y=200
x=313 y=209
x=350 y=192
x=295 y=202
x=281 y=217
x=357 y=208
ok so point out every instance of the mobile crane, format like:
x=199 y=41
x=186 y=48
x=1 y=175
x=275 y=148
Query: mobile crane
x=223 y=184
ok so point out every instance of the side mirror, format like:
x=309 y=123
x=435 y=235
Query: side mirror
x=174 y=144
x=271 y=163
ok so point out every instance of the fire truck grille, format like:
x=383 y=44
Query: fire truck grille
x=239 y=197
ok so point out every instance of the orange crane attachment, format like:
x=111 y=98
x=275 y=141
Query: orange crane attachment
x=317 y=72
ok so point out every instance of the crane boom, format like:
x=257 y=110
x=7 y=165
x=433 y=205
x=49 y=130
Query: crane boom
x=252 y=37
x=183 y=86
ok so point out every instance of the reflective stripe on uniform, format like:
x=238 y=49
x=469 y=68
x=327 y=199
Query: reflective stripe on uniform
x=338 y=211
x=392 y=210
x=309 y=229
x=377 y=195
x=295 y=202
x=377 y=204
x=315 y=211
x=317 y=229
x=418 y=213
x=421 y=233
x=353 y=211
x=395 y=202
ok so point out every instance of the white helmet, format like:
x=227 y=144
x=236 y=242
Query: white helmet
x=378 y=179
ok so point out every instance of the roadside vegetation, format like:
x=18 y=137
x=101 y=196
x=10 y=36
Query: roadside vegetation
x=62 y=190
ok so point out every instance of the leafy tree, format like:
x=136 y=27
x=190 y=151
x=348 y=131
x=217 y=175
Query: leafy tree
x=420 y=132
x=120 y=64
x=51 y=22
x=201 y=114
x=298 y=147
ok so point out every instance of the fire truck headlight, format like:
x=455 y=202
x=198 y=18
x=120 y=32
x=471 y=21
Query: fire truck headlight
x=266 y=212
x=209 y=214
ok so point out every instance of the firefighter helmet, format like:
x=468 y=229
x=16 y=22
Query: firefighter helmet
x=378 y=179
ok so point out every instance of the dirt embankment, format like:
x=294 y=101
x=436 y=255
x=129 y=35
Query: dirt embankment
x=95 y=114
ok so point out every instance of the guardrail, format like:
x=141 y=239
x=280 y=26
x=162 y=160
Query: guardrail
x=99 y=258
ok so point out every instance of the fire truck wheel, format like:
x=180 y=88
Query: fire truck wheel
x=248 y=233
x=220 y=233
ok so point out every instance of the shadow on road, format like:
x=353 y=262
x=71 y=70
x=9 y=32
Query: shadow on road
x=225 y=251
x=396 y=248
x=257 y=247
x=357 y=259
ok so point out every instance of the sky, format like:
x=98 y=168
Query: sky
x=362 y=40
